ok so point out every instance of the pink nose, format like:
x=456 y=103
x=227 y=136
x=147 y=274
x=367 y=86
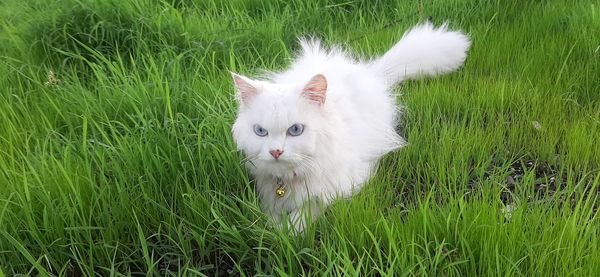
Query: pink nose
x=276 y=153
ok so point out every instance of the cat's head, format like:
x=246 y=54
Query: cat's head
x=279 y=126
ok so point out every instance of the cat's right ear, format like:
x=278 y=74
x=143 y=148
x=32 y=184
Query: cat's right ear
x=246 y=88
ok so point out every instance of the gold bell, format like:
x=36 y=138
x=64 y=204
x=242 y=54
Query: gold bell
x=280 y=191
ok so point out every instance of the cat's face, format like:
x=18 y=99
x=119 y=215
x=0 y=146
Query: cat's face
x=278 y=126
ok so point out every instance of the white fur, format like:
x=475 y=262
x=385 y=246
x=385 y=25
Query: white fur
x=424 y=51
x=345 y=137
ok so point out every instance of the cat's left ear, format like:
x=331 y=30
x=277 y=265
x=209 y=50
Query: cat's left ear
x=245 y=87
x=316 y=89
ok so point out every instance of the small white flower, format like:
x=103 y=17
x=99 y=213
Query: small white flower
x=508 y=209
x=52 y=80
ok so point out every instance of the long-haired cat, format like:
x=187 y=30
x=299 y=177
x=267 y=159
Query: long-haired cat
x=317 y=130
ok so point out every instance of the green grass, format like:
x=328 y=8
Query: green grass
x=127 y=166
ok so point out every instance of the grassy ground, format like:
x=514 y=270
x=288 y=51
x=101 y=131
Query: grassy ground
x=122 y=162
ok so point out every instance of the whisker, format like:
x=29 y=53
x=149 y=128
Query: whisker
x=249 y=159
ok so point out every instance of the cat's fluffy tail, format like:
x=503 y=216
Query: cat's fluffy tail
x=424 y=51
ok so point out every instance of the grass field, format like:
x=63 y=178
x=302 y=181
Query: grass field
x=116 y=155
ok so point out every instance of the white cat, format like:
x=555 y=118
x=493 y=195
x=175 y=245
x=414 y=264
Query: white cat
x=317 y=130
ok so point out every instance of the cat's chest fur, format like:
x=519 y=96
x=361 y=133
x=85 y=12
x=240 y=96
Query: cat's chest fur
x=333 y=181
x=284 y=194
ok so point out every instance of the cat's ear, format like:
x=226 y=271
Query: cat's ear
x=245 y=87
x=316 y=89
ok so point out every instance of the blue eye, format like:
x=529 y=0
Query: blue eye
x=295 y=130
x=260 y=131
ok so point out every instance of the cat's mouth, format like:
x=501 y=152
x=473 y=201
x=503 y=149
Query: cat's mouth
x=279 y=162
x=283 y=166
x=280 y=165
